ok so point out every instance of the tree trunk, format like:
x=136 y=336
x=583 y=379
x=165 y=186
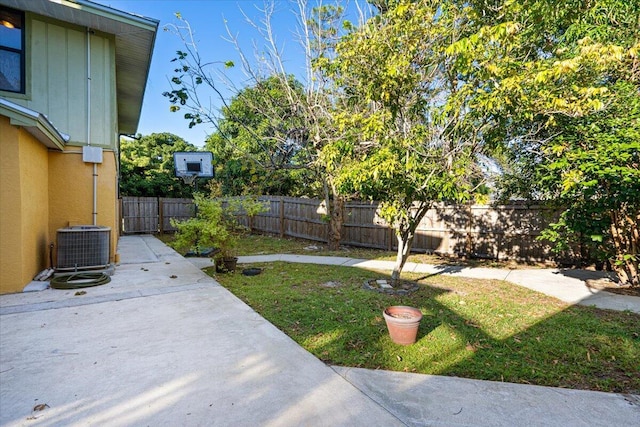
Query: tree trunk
x=625 y=233
x=405 y=232
x=335 y=222
x=405 y=241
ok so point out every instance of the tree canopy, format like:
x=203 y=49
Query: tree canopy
x=561 y=86
x=399 y=108
x=147 y=168
x=407 y=142
x=260 y=143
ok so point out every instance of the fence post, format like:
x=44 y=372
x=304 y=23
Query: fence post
x=161 y=215
x=138 y=218
x=281 y=217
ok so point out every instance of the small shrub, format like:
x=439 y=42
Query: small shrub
x=209 y=228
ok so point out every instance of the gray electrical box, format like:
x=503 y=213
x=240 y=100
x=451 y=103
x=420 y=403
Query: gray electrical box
x=91 y=154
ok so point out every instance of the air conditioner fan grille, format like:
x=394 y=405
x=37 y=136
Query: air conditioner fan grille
x=83 y=246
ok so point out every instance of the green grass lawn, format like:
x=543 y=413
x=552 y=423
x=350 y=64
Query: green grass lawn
x=483 y=329
x=263 y=244
x=257 y=244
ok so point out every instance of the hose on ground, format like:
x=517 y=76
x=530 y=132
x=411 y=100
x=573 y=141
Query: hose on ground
x=79 y=280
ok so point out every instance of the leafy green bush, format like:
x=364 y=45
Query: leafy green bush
x=209 y=228
x=215 y=224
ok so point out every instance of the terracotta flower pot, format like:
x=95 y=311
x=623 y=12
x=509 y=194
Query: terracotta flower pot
x=403 y=323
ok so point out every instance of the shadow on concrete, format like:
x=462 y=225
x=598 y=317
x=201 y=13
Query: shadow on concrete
x=163 y=344
x=185 y=351
x=587 y=275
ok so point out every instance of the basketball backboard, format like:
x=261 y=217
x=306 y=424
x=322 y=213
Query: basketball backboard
x=193 y=163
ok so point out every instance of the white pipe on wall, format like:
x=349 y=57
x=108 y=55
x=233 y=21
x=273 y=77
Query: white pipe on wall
x=95 y=165
x=89 y=86
x=95 y=194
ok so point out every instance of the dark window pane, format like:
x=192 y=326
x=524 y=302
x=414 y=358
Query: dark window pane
x=11 y=50
x=10 y=71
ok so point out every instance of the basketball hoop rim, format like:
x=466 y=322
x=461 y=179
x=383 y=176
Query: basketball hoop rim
x=189 y=178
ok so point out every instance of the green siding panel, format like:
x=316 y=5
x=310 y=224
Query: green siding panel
x=56 y=90
x=39 y=67
x=100 y=90
x=76 y=85
x=58 y=81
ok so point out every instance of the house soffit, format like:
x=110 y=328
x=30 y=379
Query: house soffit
x=134 y=41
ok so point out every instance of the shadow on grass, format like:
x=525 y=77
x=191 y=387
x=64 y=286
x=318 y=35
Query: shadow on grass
x=478 y=329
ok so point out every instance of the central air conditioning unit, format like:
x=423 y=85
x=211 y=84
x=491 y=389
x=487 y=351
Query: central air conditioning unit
x=83 y=247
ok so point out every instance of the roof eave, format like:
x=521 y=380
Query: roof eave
x=35 y=123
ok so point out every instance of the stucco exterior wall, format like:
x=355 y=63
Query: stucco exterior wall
x=24 y=207
x=41 y=192
x=71 y=192
x=10 y=204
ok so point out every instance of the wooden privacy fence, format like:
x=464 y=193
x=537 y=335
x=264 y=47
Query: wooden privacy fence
x=153 y=214
x=501 y=232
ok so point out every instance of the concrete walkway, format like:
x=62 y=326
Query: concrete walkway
x=164 y=344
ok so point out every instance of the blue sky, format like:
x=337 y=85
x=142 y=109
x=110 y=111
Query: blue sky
x=206 y=18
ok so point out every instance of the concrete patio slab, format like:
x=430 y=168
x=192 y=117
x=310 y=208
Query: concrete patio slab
x=149 y=349
x=428 y=400
x=165 y=344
